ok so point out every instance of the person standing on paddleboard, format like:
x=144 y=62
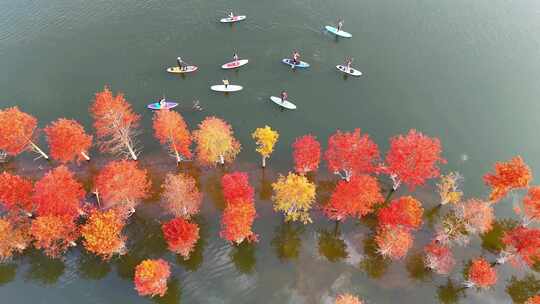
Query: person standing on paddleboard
x=231 y=15
x=181 y=63
x=235 y=57
x=340 y=24
x=348 y=62
x=225 y=83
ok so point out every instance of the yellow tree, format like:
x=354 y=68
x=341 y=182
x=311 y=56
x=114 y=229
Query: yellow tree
x=215 y=142
x=266 y=138
x=294 y=196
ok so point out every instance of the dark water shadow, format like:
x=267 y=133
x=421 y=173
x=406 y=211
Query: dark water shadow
x=8 y=272
x=520 y=290
x=373 y=264
x=287 y=241
x=416 y=268
x=331 y=245
x=173 y=295
x=450 y=293
x=92 y=267
x=492 y=240
x=243 y=257
x=44 y=270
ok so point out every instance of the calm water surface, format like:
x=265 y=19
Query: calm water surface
x=465 y=71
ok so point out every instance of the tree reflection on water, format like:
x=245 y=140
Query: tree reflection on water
x=287 y=241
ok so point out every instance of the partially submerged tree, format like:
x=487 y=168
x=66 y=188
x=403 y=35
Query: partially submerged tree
x=171 y=130
x=182 y=198
x=58 y=193
x=102 y=233
x=480 y=274
x=68 y=141
x=18 y=132
x=412 y=159
x=393 y=241
x=14 y=237
x=294 y=195
x=356 y=198
x=522 y=244
x=514 y=174
x=350 y=153
x=306 y=154
x=215 y=142
x=265 y=138
x=115 y=123
x=239 y=212
x=54 y=234
x=181 y=236
x=404 y=212
x=439 y=258
x=16 y=193
x=122 y=184
x=347 y=298
x=531 y=206
x=151 y=277
x=449 y=188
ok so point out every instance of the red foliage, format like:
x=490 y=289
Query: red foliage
x=439 y=258
x=16 y=193
x=531 y=203
x=115 y=123
x=405 y=211
x=181 y=236
x=181 y=195
x=171 y=130
x=356 y=198
x=351 y=153
x=14 y=236
x=237 y=220
x=16 y=130
x=413 y=158
x=477 y=215
x=123 y=184
x=58 y=193
x=54 y=234
x=510 y=175
x=481 y=273
x=533 y=300
x=524 y=242
x=236 y=187
x=102 y=233
x=347 y=299
x=68 y=141
x=393 y=241
x=306 y=154
x=151 y=277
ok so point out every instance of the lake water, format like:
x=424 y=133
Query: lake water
x=464 y=71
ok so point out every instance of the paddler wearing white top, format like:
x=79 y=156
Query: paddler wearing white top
x=235 y=57
x=348 y=62
x=225 y=83
x=340 y=24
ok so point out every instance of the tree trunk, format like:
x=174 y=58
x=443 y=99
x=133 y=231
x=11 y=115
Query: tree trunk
x=388 y=196
x=85 y=156
x=264 y=161
x=178 y=159
x=132 y=152
x=38 y=150
x=221 y=160
x=97 y=197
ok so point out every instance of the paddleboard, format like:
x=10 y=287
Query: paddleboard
x=286 y=104
x=176 y=70
x=229 y=88
x=157 y=106
x=351 y=71
x=233 y=19
x=234 y=64
x=335 y=31
x=289 y=62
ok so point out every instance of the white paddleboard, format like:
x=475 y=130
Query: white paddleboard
x=283 y=103
x=235 y=64
x=351 y=71
x=229 y=88
x=177 y=70
x=335 y=31
x=233 y=19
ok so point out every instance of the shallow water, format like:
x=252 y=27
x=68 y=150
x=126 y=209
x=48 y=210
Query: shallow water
x=463 y=71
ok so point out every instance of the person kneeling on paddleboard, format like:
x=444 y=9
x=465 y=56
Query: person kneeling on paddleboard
x=296 y=57
x=231 y=15
x=162 y=103
x=225 y=83
x=340 y=24
x=284 y=96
